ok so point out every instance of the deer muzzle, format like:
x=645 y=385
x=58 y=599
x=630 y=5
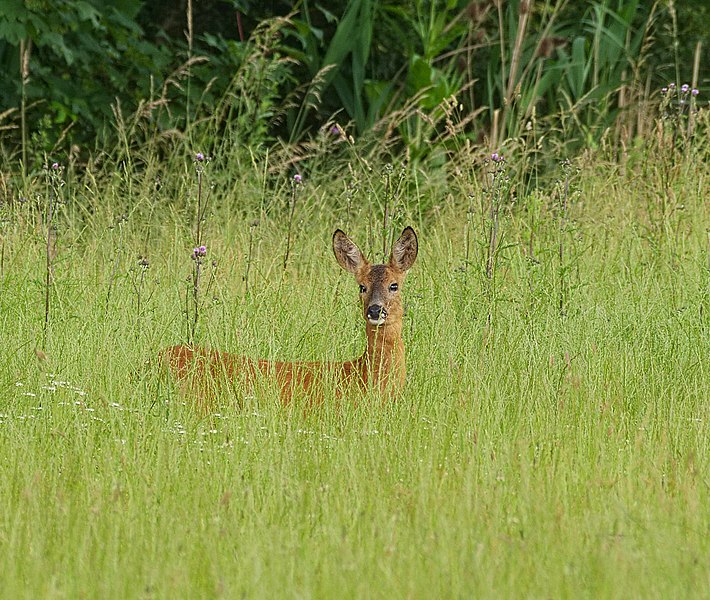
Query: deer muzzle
x=376 y=314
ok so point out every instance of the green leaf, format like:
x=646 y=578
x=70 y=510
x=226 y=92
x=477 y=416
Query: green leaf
x=419 y=75
x=87 y=12
x=577 y=72
x=13 y=9
x=12 y=31
x=56 y=42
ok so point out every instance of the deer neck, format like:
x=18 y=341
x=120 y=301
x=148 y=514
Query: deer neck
x=383 y=361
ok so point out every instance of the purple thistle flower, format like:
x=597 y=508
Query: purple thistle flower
x=199 y=157
x=55 y=166
x=684 y=88
x=297 y=178
x=335 y=130
x=202 y=250
x=671 y=86
x=497 y=158
x=694 y=92
x=664 y=91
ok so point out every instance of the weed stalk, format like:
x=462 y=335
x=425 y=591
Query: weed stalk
x=25 y=51
x=496 y=193
x=200 y=250
x=54 y=183
x=119 y=251
x=295 y=183
x=138 y=282
x=252 y=227
x=563 y=219
x=387 y=177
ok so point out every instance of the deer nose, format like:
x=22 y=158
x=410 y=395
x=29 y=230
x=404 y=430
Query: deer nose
x=376 y=312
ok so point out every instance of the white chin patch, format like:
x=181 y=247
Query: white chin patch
x=380 y=321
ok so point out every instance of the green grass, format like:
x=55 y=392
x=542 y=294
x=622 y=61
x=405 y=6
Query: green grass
x=531 y=455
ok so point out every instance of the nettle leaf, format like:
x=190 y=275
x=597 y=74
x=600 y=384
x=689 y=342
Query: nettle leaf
x=317 y=33
x=329 y=16
x=12 y=31
x=56 y=41
x=130 y=8
x=420 y=74
x=13 y=9
x=87 y=12
x=377 y=94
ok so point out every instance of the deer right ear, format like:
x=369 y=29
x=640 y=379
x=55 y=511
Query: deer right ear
x=404 y=251
x=347 y=253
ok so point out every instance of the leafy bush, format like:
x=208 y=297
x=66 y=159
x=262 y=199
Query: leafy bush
x=84 y=74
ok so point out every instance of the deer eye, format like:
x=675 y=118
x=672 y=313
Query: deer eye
x=363 y=289
x=393 y=287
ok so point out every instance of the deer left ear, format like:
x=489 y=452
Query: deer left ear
x=404 y=251
x=347 y=253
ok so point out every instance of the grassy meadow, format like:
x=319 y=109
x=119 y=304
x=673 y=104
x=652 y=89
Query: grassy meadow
x=552 y=440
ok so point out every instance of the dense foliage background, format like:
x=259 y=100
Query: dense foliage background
x=71 y=71
x=173 y=172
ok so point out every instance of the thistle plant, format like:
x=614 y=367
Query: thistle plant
x=497 y=192
x=563 y=228
x=53 y=174
x=138 y=282
x=296 y=183
x=352 y=187
x=499 y=187
x=392 y=207
x=120 y=222
x=467 y=228
x=252 y=227
x=387 y=180
x=678 y=108
x=199 y=252
x=198 y=255
x=674 y=127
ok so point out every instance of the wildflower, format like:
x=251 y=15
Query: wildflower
x=664 y=91
x=199 y=252
x=297 y=178
x=684 y=88
x=203 y=250
x=671 y=86
x=55 y=166
x=199 y=157
x=694 y=92
x=497 y=158
x=335 y=130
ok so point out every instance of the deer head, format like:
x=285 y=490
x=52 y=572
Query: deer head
x=380 y=285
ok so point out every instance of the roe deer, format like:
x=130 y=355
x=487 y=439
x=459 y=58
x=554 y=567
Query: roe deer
x=381 y=366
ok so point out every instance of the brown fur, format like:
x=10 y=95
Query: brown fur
x=381 y=367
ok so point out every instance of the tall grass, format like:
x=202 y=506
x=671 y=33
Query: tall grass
x=531 y=454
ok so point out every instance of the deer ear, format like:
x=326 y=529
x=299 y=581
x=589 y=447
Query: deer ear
x=404 y=251
x=347 y=253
